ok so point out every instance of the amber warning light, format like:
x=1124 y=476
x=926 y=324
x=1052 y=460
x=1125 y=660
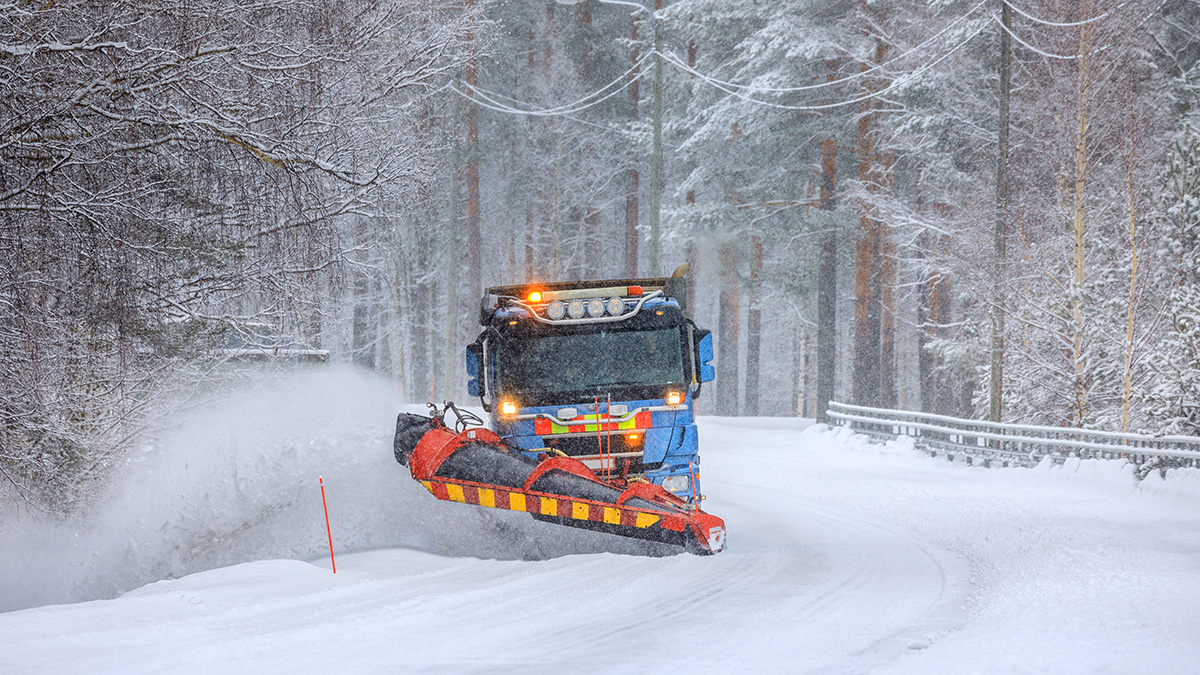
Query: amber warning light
x=535 y=296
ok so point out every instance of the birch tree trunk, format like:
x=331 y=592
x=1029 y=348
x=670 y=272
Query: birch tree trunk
x=1131 y=308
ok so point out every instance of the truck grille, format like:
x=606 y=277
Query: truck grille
x=582 y=447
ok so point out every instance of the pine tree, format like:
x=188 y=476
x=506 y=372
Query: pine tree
x=1173 y=404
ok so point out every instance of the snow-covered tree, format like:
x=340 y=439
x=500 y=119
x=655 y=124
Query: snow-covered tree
x=166 y=165
x=1173 y=402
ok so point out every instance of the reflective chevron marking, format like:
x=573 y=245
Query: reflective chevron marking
x=487 y=498
x=499 y=498
x=646 y=520
x=516 y=501
x=579 y=511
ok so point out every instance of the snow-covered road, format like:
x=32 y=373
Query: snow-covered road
x=843 y=557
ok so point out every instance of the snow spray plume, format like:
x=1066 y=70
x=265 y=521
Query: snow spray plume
x=237 y=482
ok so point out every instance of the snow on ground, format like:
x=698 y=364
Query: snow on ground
x=843 y=556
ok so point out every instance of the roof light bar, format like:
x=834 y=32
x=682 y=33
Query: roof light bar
x=578 y=309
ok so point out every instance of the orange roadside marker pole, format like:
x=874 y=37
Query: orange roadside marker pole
x=328 y=531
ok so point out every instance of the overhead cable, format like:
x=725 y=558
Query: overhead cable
x=863 y=73
x=1049 y=55
x=490 y=99
x=483 y=99
x=575 y=106
x=1063 y=57
x=827 y=106
x=1085 y=22
x=1071 y=57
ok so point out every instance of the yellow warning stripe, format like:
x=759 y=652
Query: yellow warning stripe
x=516 y=501
x=548 y=506
x=579 y=511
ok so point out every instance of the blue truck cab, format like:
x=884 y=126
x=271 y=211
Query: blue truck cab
x=607 y=372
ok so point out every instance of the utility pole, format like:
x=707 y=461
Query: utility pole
x=631 y=199
x=471 y=177
x=996 y=373
x=656 y=156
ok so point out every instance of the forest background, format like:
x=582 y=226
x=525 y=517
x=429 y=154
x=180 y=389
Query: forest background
x=971 y=208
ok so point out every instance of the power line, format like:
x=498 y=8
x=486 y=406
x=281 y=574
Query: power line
x=1071 y=57
x=1063 y=57
x=491 y=103
x=1044 y=22
x=487 y=99
x=575 y=105
x=827 y=106
x=491 y=100
x=848 y=78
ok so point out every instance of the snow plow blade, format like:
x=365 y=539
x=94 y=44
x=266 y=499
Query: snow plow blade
x=475 y=466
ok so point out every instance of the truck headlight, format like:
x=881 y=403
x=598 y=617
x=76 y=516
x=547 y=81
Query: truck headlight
x=675 y=483
x=615 y=306
x=674 y=398
x=508 y=408
x=556 y=310
x=576 y=309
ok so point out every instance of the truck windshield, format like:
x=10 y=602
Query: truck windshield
x=581 y=363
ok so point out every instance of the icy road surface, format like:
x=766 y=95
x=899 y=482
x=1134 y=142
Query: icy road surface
x=843 y=557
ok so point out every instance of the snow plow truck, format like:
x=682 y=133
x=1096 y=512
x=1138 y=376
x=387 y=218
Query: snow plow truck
x=590 y=386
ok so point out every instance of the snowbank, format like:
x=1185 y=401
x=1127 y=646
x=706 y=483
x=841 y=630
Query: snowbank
x=1117 y=475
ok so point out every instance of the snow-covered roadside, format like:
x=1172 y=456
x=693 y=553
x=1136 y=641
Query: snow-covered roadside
x=844 y=557
x=1076 y=567
x=239 y=482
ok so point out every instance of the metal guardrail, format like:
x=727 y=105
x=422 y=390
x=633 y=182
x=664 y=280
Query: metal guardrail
x=1024 y=445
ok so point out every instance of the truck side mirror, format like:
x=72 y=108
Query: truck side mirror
x=704 y=356
x=475 y=385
